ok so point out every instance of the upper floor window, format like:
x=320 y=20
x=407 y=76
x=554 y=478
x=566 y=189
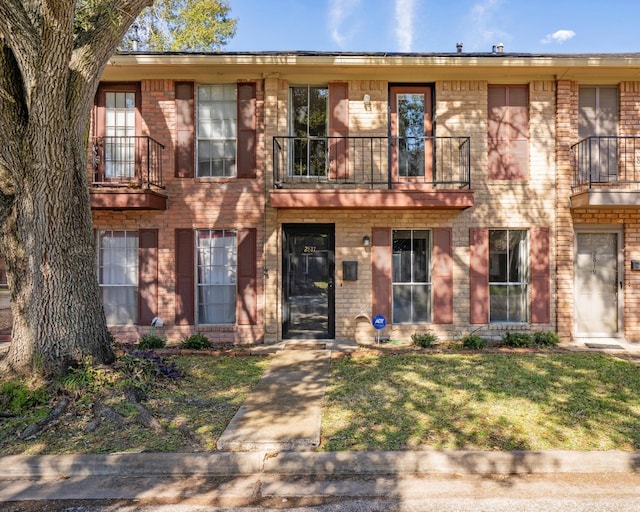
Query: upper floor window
x=216 y=265
x=411 y=276
x=217 y=130
x=308 y=127
x=598 y=120
x=508 y=132
x=508 y=275
x=118 y=275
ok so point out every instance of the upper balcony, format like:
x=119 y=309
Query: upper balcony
x=372 y=172
x=606 y=172
x=126 y=173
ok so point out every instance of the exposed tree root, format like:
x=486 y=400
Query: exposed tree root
x=52 y=419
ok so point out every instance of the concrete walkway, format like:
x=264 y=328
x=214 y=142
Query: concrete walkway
x=283 y=412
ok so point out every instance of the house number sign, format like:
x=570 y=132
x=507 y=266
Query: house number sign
x=309 y=248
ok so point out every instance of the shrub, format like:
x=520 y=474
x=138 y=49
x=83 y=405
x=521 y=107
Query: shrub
x=196 y=341
x=474 y=341
x=546 y=338
x=150 y=341
x=517 y=339
x=142 y=367
x=424 y=339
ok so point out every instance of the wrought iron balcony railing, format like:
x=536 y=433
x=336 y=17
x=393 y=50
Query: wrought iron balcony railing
x=125 y=161
x=372 y=162
x=607 y=161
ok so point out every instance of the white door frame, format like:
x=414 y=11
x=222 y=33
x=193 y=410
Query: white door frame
x=601 y=228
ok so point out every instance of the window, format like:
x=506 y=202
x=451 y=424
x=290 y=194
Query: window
x=118 y=275
x=217 y=130
x=508 y=275
x=120 y=131
x=508 y=132
x=411 y=276
x=308 y=124
x=216 y=261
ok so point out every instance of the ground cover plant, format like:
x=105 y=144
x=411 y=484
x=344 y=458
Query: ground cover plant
x=486 y=401
x=145 y=402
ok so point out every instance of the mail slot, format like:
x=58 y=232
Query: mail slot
x=350 y=270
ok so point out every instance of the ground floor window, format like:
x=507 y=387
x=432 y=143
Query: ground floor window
x=216 y=269
x=118 y=275
x=508 y=275
x=411 y=276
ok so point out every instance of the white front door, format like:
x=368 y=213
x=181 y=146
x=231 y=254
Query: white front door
x=598 y=284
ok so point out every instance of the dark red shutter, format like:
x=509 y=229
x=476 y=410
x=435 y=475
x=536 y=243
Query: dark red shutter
x=381 y=272
x=185 y=277
x=479 y=275
x=540 y=285
x=247 y=130
x=338 y=128
x=442 y=276
x=185 y=130
x=247 y=300
x=147 y=275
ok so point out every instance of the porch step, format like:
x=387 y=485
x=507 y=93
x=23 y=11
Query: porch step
x=305 y=345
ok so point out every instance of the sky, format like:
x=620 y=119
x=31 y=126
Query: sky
x=527 y=26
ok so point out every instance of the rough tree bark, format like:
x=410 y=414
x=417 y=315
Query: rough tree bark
x=52 y=53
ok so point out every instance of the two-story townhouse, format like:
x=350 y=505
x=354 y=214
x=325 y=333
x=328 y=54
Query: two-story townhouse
x=263 y=196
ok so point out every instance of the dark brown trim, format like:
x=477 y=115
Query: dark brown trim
x=478 y=275
x=185 y=130
x=247 y=135
x=381 y=271
x=442 y=276
x=147 y=275
x=247 y=297
x=185 y=277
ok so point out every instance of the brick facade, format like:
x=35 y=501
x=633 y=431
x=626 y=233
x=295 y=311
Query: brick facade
x=460 y=108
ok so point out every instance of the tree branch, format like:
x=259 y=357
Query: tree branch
x=94 y=46
x=12 y=121
x=21 y=36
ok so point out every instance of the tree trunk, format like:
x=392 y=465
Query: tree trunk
x=51 y=57
x=48 y=246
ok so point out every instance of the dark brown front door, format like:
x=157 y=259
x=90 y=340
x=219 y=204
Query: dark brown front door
x=308 y=284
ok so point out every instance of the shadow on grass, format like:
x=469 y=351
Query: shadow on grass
x=483 y=402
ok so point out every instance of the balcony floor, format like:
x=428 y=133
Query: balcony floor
x=372 y=199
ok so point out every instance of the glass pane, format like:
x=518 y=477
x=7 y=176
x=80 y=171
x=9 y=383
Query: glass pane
x=498 y=256
x=518 y=303
x=401 y=303
x=402 y=256
x=421 y=303
x=498 y=304
x=517 y=256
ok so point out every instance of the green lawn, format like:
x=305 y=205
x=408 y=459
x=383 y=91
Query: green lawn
x=423 y=400
x=483 y=401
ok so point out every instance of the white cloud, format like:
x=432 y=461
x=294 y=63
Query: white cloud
x=404 y=24
x=339 y=13
x=559 y=36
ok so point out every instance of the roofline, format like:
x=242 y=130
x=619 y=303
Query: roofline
x=516 y=66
